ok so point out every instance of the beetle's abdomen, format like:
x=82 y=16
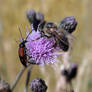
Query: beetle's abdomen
x=22 y=56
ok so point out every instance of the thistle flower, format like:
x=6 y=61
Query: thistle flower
x=69 y=24
x=38 y=85
x=41 y=49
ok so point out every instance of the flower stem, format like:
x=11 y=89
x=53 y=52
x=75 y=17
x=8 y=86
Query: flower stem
x=18 y=78
x=28 y=78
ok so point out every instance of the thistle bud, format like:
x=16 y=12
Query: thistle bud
x=68 y=24
x=4 y=86
x=35 y=18
x=71 y=72
x=64 y=72
x=38 y=19
x=38 y=85
x=39 y=16
x=31 y=14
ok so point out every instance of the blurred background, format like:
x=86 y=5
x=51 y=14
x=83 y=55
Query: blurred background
x=13 y=14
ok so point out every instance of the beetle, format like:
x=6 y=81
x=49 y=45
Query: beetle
x=22 y=53
x=22 y=50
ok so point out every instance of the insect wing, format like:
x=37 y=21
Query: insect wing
x=60 y=36
x=65 y=33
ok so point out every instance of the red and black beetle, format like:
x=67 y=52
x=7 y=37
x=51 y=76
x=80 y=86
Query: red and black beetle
x=22 y=53
x=22 y=50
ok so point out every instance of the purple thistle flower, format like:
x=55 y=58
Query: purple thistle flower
x=41 y=49
x=38 y=85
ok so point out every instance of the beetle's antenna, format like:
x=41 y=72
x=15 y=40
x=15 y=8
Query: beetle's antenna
x=16 y=41
x=20 y=33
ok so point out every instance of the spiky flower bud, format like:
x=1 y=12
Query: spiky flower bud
x=4 y=86
x=68 y=24
x=31 y=14
x=39 y=16
x=38 y=85
x=71 y=72
x=34 y=18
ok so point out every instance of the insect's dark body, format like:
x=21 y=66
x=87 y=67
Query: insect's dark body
x=22 y=53
x=64 y=44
